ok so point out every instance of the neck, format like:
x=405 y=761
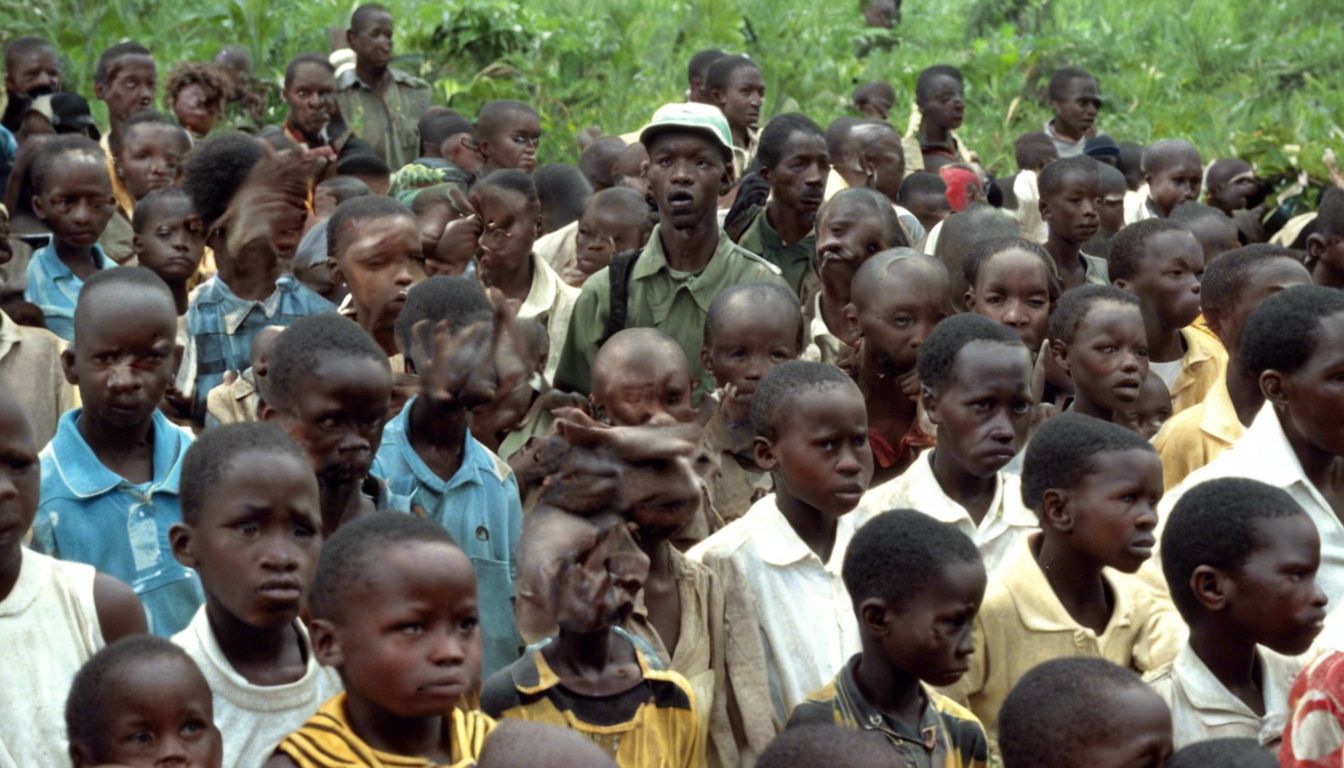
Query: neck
x=1064 y=252
x=254 y=282
x=245 y=645
x=934 y=134
x=382 y=328
x=689 y=250
x=882 y=391
x=370 y=74
x=814 y=527
x=587 y=653
x=438 y=434
x=1165 y=344
x=70 y=254
x=961 y=486
x=1321 y=467
x=338 y=501
x=9 y=570
x=1228 y=655
x=792 y=225
x=1063 y=132
x=1244 y=391
x=656 y=549
x=387 y=732
x=514 y=283
x=1084 y=405
x=893 y=692
x=741 y=138
x=1074 y=579
x=112 y=441
x=179 y=289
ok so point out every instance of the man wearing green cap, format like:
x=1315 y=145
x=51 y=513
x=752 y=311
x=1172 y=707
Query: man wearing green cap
x=688 y=259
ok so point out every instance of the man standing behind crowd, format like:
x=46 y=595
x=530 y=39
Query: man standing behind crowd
x=380 y=104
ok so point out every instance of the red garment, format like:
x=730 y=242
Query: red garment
x=905 y=451
x=959 y=181
x=1314 y=736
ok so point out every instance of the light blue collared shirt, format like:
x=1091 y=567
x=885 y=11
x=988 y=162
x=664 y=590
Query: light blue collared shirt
x=55 y=289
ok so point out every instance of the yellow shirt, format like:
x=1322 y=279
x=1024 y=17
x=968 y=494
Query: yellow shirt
x=1197 y=435
x=327 y=741
x=30 y=367
x=1202 y=366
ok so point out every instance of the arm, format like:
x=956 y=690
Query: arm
x=120 y=613
x=586 y=325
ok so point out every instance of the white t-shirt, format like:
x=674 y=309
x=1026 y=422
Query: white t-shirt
x=1166 y=371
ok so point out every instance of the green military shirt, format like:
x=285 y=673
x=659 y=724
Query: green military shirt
x=794 y=261
x=389 y=123
x=675 y=303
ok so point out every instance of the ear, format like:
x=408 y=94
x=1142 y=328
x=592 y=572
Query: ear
x=851 y=315
x=137 y=245
x=929 y=399
x=179 y=538
x=1275 y=387
x=326 y=643
x=1215 y=323
x=1122 y=284
x=267 y=412
x=99 y=91
x=1315 y=246
x=874 y=617
x=1061 y=354
x=1211 y=587
x=38 y=208
x=1044 y=207
x=764 y=452
x=726 y=180
x=483 y=146
x=1148 y=178
x=764 y=173
x=350 y=37
x=1055 y=511
x=537 y=227
x=717 y=98
x=337 y=276
x=68 y=366
x=80 y=755
x=705 y=359
x=969 y=299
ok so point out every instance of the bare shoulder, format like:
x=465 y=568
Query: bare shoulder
x=120 y=613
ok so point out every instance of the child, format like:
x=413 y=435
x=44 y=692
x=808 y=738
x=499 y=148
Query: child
x=1070 y=192
x=941 y=103
x=1033 y=151
x=1013 y=282
x=142 y=703
x=735 y=85
x=32 y=68
x=812 y=436
x=1325 y=246
x=614 y=221
x=1161 y=263
x=1216 y=233
x=54 y=615
x=370 y=243
x=791 y=156
x=924 y=194
x=254 y=548
x=1079 y=711
x=30 y=367
x=751 y=328
x=696 y=70
x=897 y=298
x=1067 y=591
x=809 y=745
x=1076 y=99
x=1174 y=172
x=1097 y=338
x=1110 y=212
x=1150 y=411
x=240 y=401
x=1226 y=753
x=1240 y=559
x=874 y=99
x=368 y=168
x=110 y=475
x=380 y=103
x=451 y=336
x=124 y=78
x=508 y=135
x=394 y=612
x=520 y=742
x=562 y=191
x=146 y=155
x=975 y=377
x=448 y=143
x=72 y=194
x=916 y=585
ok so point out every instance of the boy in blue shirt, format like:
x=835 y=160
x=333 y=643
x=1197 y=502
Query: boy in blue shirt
x=110 y=475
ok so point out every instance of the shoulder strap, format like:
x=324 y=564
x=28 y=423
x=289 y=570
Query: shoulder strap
x=618 y=275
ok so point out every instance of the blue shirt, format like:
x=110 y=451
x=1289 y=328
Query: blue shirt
x=90 y=514
x=480 y=507
x=55 y=289
x=222 y=326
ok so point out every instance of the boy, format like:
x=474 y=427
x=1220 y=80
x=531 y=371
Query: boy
x=812 y=436
x=368 y=168
x=792 y=158
x=1227 y=753
x=614 y=221
x=451 y=337
x=874 y=99
x=240 y=400
x=32 y=69
x=1076 y=99
x=975 y=381
x=941 y=103
x=1076 y=712
x=124 y=78
x=1325 y=246
x=562 y=192
x=72 y=194
x=448 y=144
x=508 y=136
x=1215 y=232
x=1161 y=263
x=54 y=615
x=1240 y=557
x=916 y=585
x=822 y=744
x=1012 y=281
x=897 y=298
x=1070 y=192
x=142 y=703
x=371 y=241
x=1033 y=151
x=110 y=476
x=735 y=85
x=379 y=103
x=521 y=742
x=1174 y=172
x=1110 y=211
x=1067 y=591
x=1150 y=411
x=146 y=155
x=1097 y=338
x=394 y=612
x=750 y=329
x=696 y=70
x=925 y=196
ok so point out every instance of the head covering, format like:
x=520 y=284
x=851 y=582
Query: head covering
x=1102 y=146
x=67 y=113
x=959 y=181
x=704 y=119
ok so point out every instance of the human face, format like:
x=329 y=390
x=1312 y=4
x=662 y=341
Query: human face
x=820 y=456
x=896 y=319
x=1177 y=182
x=601 y=572
x=1236 y=194
x=1274 y=593
x=686 y=174
x=1108 y=358
x=516 y=145
x=651 y=388
x=256 y=546
x=409 y=644
x=151 y=158
x=1167 y=281
x=509 y=227
x=983 y=412
x=1264 y=280
x=929 y=637
x=798 y=183
x=36 y=72
x=172 y=244
x=1074 y=214
x=374 y=262
x=847 y=235
x=131 y=87
x=1327 y=253
x=603 y=233
x=372 y=42
x=77 y=202
x=1113 y=508
x=1315 y=389
x=194 y=109
x=741 y=100
x=884 y=162
x=745 y=343
x=122 y=359
x=1111 y=211
x=164 y=715
x=1077 y=111
x=1151 y=410
x=873 y=107
x=1013 y=287
x=311 y=97
x=338 y=417
x=946 y=107
x=1140 y=732
x=20 y=482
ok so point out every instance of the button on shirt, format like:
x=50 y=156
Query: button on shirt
x=794 y=261
x=550 y=302
x=390 y=123
x=480 y=507
x=90 y=514
x=54 y=288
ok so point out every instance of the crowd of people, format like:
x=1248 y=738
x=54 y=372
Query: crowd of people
x=364 y=440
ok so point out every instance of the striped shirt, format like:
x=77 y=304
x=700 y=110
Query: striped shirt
x=54 y=288
x=328 y=741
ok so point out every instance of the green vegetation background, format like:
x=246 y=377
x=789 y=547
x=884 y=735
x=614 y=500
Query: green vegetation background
x=1260 y=80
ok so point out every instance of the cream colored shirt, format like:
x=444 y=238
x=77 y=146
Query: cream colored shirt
x=30 y=368
x=1029 y=219
x=550 y=302
x=1198 y=435
x=1136 y=205
x=559 y=248
x=822 y=346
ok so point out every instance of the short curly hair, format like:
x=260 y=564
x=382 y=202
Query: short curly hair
x=1064 y=450
x=213 y=80
x=1283 y=333
x=938 y=353
x=899 y=553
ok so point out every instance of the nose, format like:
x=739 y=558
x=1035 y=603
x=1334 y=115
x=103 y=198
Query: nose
x=847 y=463
x=123 y=378
x=1147 y=519
x=660 y=418
x=82 y=213
x=1015 y=315
x=816 y=176
x=404 y=278
x=681 y=172
x=1000 y=428
x=965 y=643
x=1130 y=362
x=172 y=751
x=448 y=648
x=354 y=443
x=1318 y=597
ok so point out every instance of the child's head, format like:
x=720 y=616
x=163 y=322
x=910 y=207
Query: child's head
x=1112 y=207
x=368 y=168
x=370 y=36
x=1160 y=262
x=1013 y=281
x=1095 y=486
x=328 y=384
x=251 y=523
x=792 y=158
x=1215 y=231
x=697 y=69
x=1231 y=185
x=874 y=152
x=563 y=191
x=1076 y=99
x=1238 y=281
x=394 y=611
x=1070 y=190
x=811 y=428
x=1174 y=172
x=1083 y=712
x=735 y=85
x=537 y=745
x=977 y=223
x=1151 y=410
x=331 y=192
x=168 y=237
x=916 y=584
x=32 y=67
x=309 y=93
x=1240 y=557
x=125 y=77
x=1103 y=149
x=1097 y=336
x=216 y=170
x=447 y=134
x=976 y=380
x=371 y=241
x=1033 y=151
x=874 y=99
x=20 y=480
x=72 y=192
x=141 y=702
x=598 y=161
x=1224 y=753
x=614 y=221
x=924 y=194
x=1131 y=164
x=196 y=94
x=641 y=376
x=749 y=329
x=852 y=226
x=122 y=356
x=259 y=357
x=828 y=744
x=896 y=299
x=511 y=222
x=1325 y=246
x=508 y=134
x=939 y=94
x=964 y=185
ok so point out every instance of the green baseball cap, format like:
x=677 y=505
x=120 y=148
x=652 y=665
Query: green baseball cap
x=691 y=116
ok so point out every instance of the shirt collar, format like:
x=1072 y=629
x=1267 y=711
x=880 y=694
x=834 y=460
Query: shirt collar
x=57 y=268
x=780 y=545
x=87 y=477
x=1218 y=706
x=870 y=718
x=349 y=79
x=10 y=335
x=921 y=489
x=1220 y=415
x=235 y=310
x=1263 y=453
x=475 y=460
x=532 y=675
x=703 y=285
x=1036 y=602
x=545 y=288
